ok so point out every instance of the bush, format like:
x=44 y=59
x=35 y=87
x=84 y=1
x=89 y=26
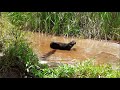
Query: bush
x=18 y=55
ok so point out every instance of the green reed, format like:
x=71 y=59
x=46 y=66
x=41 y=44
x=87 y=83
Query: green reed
x=98 y=25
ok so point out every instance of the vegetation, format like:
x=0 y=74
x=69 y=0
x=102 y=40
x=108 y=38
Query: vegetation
x=97 y=25
x=19 y=57
x=85 y=69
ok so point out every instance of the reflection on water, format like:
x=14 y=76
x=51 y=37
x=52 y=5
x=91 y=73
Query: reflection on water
x=101 y=51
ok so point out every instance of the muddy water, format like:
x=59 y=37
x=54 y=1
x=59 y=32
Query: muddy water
x=101 y=51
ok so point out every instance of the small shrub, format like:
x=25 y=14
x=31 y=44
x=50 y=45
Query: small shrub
x=18 y=54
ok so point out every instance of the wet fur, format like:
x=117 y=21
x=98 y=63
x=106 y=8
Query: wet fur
x=62 y=46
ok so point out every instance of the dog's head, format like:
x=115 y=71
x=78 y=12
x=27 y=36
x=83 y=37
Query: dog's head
x=72 y=42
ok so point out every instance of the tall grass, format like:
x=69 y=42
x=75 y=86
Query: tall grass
x=97 y=25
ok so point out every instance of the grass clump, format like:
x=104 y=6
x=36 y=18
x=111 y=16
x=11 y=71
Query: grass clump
x=18 y=58
x=85 y=69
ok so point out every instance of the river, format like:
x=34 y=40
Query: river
x=102 y=51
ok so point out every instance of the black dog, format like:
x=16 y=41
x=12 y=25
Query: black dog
x=62 y=46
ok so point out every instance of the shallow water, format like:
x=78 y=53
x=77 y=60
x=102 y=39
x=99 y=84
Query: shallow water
x=101 y=51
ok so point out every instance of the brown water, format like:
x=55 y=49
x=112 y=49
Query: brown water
x=101 y=51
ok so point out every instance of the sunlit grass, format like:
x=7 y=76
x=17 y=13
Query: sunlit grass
x=85 y=69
